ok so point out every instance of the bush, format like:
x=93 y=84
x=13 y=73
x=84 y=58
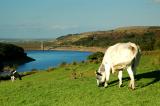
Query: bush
x=34 y=69
x=98 y=56
x=50 y=69
x=83 y=61
x=74 y=63
x=63 y=64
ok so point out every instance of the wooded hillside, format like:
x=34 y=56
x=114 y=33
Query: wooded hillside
x=11 y=54
x=146 y=36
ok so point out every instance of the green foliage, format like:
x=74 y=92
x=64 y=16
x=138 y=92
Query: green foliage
x=97 y=56
x=83 y=61
x=9 y=51
x=147 y=41
x=34 y=69
x=51 y=69
x=63 y=64
x=74 y=63
x=91 y=41
x=12 y=55
x=157 y=44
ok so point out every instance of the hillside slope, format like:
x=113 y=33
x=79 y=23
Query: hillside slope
x=148 y=37
x=58 y=87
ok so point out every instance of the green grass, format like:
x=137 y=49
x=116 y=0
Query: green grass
x=59 y=88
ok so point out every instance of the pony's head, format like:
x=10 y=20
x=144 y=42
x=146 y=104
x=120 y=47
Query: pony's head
x=100 y=76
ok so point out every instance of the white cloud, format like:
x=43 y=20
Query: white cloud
x=37 y=27
x=63 y=27
x=157 y=1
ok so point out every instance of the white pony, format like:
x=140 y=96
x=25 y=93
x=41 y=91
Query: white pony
x=117 y=58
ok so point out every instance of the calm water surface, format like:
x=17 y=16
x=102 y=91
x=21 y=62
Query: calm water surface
x=45 y=59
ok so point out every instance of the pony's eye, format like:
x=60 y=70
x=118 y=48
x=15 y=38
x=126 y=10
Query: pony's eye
x=96 y=77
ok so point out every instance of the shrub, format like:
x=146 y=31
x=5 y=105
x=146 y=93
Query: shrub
x=98 y=56
x=50 y=69
x=34 y=70
x=83 y=61
x=63 y=64
x=74 y=63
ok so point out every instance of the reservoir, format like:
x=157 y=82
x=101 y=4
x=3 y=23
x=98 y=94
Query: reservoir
x=51 y=58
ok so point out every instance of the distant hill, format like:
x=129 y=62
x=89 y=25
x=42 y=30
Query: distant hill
x=148 y=37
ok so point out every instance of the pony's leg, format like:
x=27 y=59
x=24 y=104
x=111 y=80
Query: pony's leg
x=12 y=78
x=107 y=72
x=120 y=78
x=131 y=75
x=134 y=68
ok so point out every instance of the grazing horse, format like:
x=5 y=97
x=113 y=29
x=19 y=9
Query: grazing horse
x=117 y=58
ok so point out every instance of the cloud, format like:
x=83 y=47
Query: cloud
x=37 y=27
x=156 y=1
x=64 y=27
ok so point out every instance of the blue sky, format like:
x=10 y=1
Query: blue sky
x=53 y=18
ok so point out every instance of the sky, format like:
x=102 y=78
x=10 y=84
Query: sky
x=54 y=18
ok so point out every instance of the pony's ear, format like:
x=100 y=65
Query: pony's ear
x=96 y=71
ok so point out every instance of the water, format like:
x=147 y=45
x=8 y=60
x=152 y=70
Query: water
x=45 y=59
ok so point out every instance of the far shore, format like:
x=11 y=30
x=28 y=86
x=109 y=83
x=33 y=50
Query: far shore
x=73 y=48
x=78 y=48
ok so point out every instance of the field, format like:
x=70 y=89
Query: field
x=75 y=85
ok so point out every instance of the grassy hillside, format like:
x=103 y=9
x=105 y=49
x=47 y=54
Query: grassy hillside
x=75 y=85
x=146 y=36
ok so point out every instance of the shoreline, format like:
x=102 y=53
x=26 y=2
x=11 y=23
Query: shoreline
x=85 y=49
x=89 y=49
x=73 y=48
